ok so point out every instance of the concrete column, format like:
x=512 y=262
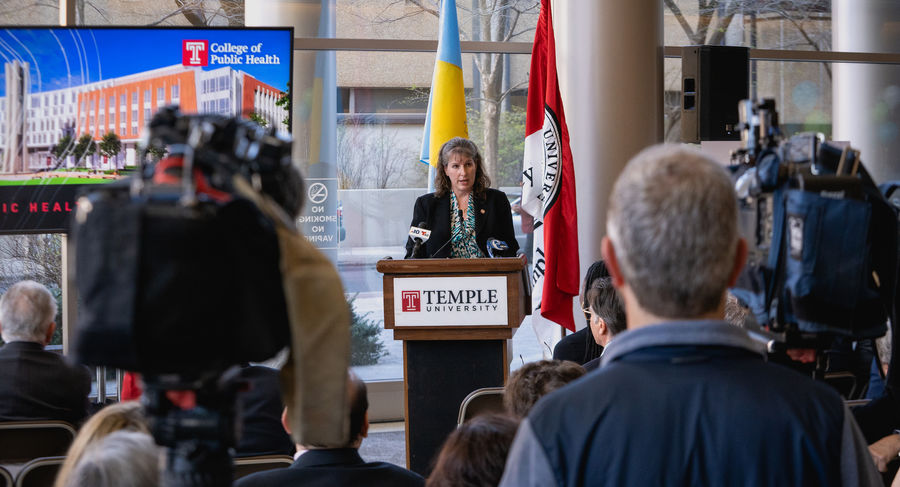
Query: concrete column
x=314 y=104
x=866 y=97
x=610 y=67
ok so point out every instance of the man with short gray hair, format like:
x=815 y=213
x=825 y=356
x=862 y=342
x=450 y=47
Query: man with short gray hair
x=36 y=383
x=682 y=397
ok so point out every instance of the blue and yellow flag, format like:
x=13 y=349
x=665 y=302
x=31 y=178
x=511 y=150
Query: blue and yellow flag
x=446 y=116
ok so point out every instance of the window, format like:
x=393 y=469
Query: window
x=160 y=96
x=134 y=96
x=134 y=115
x=122 y=101
x=146 y=97
x=175 y=91
x=134 y=130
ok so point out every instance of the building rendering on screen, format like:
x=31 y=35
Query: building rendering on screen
x=31 y=124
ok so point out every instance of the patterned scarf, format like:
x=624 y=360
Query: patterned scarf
x=462 y=239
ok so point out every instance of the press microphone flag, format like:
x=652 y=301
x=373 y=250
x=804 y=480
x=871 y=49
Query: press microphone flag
x=419 y=234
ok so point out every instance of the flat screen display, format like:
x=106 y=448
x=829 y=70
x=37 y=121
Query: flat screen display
x=74 y=103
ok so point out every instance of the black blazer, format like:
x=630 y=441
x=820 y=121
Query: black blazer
x=493 y=219
x=334 y=468
x=38 y=384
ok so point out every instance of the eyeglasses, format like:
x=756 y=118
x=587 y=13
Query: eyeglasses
x=587 y=312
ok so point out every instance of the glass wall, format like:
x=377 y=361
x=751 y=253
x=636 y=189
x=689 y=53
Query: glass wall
x=379 y=138
x=380 y=99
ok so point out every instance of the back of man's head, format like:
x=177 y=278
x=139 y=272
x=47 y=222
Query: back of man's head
x=26 y=311
x=673 y=224
x=359 y=405
x=534 y=380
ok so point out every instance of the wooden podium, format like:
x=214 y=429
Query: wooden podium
x=456 y=318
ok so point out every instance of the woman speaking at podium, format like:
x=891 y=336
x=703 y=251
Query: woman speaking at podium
x=464 y=215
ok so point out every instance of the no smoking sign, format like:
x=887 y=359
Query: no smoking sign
x=319 y=219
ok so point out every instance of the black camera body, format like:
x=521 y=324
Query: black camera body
x=822 y=263
x=182 y=276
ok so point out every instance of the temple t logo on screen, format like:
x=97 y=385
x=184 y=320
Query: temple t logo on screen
x=411 y=301
x=195 y=53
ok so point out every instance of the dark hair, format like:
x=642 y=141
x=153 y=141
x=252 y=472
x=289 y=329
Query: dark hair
x=475 y=453
x=466 y=147
x=604 y=300
x=598 y=269
x=359 y=404
x=534 y=380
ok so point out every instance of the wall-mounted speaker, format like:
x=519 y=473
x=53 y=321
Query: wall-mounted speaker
x=713 y=80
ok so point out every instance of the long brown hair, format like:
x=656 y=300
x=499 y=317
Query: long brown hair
x=465 y=147
x=475 y=453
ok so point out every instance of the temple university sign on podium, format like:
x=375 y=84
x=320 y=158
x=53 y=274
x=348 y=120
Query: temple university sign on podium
x=450 y=301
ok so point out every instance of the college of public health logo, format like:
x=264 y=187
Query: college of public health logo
x=194 y=53
x=411 y=301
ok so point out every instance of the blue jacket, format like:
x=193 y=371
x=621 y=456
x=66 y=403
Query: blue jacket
x=689 y=403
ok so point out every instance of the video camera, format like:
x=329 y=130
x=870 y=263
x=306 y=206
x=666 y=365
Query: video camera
x=179 y=277
x=822 y=264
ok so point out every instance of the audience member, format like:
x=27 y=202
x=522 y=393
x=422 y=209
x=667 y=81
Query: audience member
x=682 y=397
x=474 y=454
x=580 y=347
x=335 y=467
x=35 y=383
x=535 y=380
x=607 y=315
x=260 y=408
x=122 y=459
x=127 y=416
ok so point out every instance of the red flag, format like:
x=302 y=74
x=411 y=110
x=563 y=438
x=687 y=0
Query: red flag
x=548 y=189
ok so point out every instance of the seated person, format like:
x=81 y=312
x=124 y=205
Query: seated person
x=535 y=380
x=36 y=384
x=121 y=416
x=580 y=347
x=474 y=454
x=260 y=408
x=607 y=315
x=335 y=467
x=122 y=459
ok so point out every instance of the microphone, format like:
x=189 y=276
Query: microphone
x=420 y=234
x=495 y=245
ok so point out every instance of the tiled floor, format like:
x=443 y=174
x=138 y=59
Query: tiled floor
x=386 y=443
